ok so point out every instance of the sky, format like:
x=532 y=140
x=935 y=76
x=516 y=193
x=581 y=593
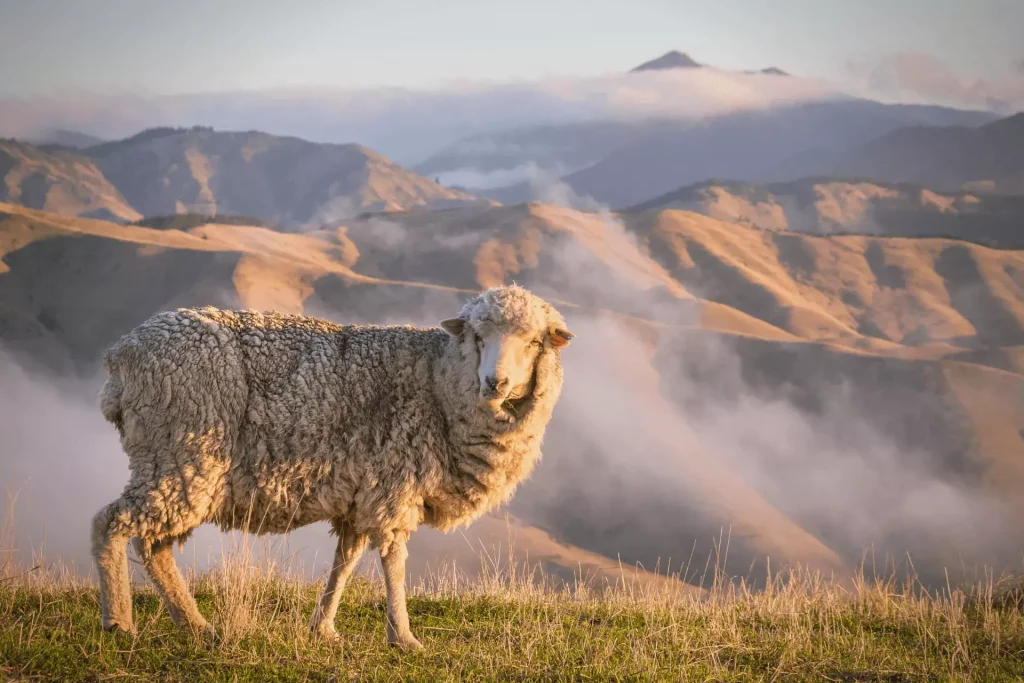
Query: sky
x=50 y=47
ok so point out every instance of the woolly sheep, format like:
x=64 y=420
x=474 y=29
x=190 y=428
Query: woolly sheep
x=266 y=422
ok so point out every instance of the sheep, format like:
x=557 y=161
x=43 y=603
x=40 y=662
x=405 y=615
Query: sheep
x=266 y=422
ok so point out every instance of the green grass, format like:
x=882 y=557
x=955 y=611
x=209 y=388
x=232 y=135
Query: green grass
x=508 y=627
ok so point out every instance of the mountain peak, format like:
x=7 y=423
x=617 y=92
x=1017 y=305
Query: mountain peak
x=670 y=60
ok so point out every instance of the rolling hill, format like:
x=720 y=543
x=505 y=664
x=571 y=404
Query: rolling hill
x=837 y=206
x=164 y=171
x=292 y=181
x=59 y=181
x=988 y=158
x=772 y=386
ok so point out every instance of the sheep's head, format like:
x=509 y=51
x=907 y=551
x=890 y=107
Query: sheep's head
x=505 y=330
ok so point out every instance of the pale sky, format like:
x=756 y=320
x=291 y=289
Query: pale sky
x=184 y=46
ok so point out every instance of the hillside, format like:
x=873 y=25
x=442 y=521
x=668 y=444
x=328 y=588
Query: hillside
x=59 y=181
x=283 y=179
x=988 y=158
x=749 y=146
x=164 y=171
x=724 y=377
x=837 y=206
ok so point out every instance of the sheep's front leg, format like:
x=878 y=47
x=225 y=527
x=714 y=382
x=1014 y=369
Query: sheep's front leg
x=392 y=557
x=346 y=558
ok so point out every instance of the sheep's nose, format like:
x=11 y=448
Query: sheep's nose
x=495 y=385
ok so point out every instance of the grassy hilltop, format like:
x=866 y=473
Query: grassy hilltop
x=509 y=626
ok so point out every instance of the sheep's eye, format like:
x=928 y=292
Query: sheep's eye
x=536 y=342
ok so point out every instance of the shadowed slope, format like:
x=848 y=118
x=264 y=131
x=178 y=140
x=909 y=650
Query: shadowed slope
x=59 y=181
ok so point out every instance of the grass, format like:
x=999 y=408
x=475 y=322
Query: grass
x=511 y=626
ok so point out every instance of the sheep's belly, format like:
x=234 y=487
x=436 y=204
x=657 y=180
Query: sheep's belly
x=281 y=498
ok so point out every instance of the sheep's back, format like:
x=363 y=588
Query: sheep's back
x=179 y=377
x=322 y=391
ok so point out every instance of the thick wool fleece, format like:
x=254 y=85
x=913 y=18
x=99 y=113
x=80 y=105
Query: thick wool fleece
x=268 y=422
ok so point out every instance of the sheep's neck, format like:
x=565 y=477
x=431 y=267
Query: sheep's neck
x=485 y=458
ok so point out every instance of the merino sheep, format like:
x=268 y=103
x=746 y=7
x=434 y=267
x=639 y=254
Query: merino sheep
x=267 y=422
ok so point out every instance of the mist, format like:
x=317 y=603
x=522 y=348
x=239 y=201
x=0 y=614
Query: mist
x=923 y=78
x=408 y=125
x=667 y=440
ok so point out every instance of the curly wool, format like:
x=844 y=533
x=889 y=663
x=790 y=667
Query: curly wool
x=268 y=422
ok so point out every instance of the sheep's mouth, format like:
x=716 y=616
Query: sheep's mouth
x=516 y=407
x=517 y=403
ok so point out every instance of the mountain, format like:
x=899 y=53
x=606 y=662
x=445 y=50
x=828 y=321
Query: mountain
x=496 y=160
x=749 y=146
x=987 y=158
x=674 y=59
x=67 y=139
x=638 y=161
x=59 y=181
x=670 y=60
x=812 y=394
x=287 y=180
x=834 y=205
x=620 y=162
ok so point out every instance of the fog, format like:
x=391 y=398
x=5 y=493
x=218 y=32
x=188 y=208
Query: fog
x=408 y=125
x=667 y=438
x=924 y=78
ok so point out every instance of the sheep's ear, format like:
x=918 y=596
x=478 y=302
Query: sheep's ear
x=560 y=337
x=454 y=326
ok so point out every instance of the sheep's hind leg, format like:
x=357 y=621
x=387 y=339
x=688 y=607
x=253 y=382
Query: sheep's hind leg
x=346 y=558
x=392 y=558
x=158 y=559
x=110 y=533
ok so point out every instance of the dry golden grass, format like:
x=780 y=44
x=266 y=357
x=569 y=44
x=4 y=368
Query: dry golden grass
x=511 y=623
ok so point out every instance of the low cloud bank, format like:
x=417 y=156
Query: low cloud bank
x=408 y=125
x=921 y=78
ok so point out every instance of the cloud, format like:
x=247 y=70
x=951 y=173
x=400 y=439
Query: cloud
x=922 y=78
x=408 y=125
x=475 y=179
x=547 y=187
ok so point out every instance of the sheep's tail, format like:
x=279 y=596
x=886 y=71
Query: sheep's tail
x=110 y=394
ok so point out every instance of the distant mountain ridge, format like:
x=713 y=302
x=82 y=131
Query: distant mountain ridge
x=749 y=146
x=162 y=171
x=66 y=139
x=988 y=158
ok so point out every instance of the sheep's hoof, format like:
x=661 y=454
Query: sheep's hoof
x=113 y=626
x=327 y=634
x=406 y=643
x=204 y=631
